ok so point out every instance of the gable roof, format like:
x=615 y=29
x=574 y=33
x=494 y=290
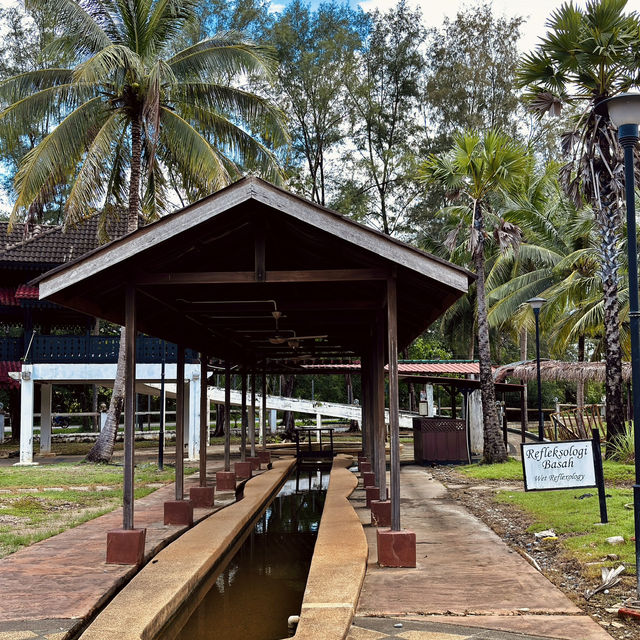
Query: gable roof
x=198 y=275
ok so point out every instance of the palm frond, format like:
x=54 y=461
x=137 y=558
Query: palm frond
x=52 y=159
x=196 y=157
x=76 y=21
x=246 y=107
x=89 y=187
x=114 y=59
x=223 y=56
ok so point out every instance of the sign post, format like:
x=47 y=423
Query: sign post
x=569 y=464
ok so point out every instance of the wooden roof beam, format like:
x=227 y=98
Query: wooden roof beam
x=240 y=277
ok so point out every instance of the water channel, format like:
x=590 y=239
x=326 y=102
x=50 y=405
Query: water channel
x=263 y=584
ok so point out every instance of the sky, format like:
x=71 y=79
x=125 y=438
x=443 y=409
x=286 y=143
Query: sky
x=535 y=11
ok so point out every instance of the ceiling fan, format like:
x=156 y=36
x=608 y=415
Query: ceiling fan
x=294 y=340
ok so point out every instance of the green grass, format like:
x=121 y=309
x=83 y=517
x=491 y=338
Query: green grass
x=577 y=522
x=67 y=474
x=29 y=514
x=615 y=473
x=510 y=470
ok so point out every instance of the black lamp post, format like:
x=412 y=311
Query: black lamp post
x=624 y=112
x=536 y=305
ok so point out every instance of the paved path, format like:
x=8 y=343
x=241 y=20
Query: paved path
x=48 y=588
x=469 y=583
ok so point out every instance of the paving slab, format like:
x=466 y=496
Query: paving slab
x=51 y=587
x=465 y=574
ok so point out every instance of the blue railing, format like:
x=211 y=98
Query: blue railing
x=61 y=349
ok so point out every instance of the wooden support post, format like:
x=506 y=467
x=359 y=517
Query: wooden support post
x=129 y=405
x=252 y=417
x=380 y=458
x=180 y=424
x=364 y=403
x=204 y=420
x=263 y=413
x=523 y=414
x=394 y=416
x=243 y=420
x=227 y=416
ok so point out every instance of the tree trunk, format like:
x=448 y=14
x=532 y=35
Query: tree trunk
x=494 y=449
x=103 y=450
x=220 y=426
x=609 y=224
x=288 y=419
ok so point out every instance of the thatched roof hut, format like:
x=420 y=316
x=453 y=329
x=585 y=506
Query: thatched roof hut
x=558 y=371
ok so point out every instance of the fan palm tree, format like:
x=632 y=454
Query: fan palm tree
x=589 y=55
x=477 y=171
x=134 y=113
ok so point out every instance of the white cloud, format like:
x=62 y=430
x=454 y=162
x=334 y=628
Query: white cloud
x=276 y=7
x=536 y=13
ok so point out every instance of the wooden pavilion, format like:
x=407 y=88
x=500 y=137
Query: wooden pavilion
x=264 y=280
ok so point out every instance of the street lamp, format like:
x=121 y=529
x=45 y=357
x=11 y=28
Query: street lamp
x=624 y=113
x=536 y=305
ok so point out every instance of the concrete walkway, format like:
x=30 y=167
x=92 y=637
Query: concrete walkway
x=467 y=583
x=47 y=589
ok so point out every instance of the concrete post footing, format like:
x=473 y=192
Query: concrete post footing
x=265 y=456
x=381 y=513
x=243 y=469
x=178 y=512
x=202 y=497
x=126 y=546
x=364 y=467
x=396 y=548
x=368 y=479
x=225 y=481
x=373 y=493
x=255 y=462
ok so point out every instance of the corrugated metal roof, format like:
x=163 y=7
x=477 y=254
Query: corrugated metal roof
x=439 y=367
x=8 y=297
x=466 y=368
x=27 y=291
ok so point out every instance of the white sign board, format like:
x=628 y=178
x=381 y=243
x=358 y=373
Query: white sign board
x=558 y=465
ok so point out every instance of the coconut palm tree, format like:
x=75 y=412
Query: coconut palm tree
x=477 y=170
x=134 y=115
x=589 y=55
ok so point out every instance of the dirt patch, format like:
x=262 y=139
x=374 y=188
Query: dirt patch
x=558 y=565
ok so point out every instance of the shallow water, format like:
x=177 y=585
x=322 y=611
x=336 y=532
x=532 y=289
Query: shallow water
x=264 y=582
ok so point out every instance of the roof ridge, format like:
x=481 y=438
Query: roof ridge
x=21 y=243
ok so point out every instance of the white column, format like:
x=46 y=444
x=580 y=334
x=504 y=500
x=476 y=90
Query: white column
x=429 y=392
x=186 y=414
x=1 y=426
x=261 y=428
x=193 y=447
x=318 y=425
x=45 y=418
x=273 y=420
x=475 y=421
x=26 y=416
